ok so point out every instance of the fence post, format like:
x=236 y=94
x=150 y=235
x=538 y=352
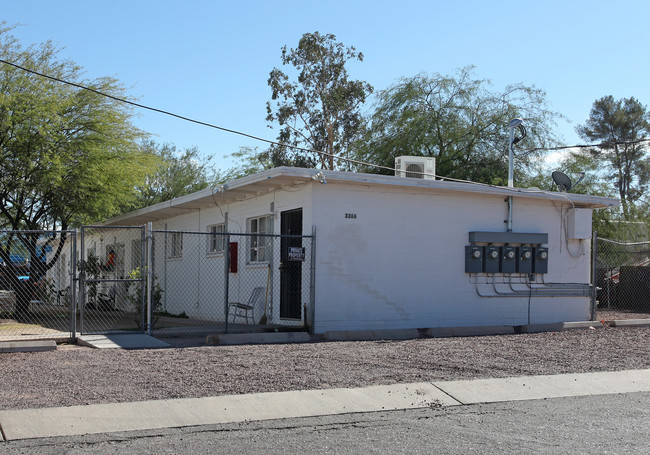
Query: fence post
x=82 y=279
x=149 y=269
x=73 y=286
x=226 y=271
x=312 y=281
x=594 y=280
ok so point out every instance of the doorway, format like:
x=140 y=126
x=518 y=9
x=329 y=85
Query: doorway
x=291 y=259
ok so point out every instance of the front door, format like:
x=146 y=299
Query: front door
x=291 y=264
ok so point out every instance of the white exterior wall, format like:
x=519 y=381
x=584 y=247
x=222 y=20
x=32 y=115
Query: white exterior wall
x=194 y=282
x=400 y=262
x=397 y=260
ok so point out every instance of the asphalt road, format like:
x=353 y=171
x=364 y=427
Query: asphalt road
x=592 y=424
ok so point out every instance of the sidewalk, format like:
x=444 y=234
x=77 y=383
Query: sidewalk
x=150 y=415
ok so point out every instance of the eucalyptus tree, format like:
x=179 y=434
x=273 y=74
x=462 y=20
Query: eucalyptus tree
x=317 y=105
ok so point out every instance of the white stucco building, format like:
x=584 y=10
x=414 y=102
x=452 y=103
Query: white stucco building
x=395 y=252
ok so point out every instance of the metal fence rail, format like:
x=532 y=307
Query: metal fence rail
x=230 y=282
x=36 y=295
x=622 y=276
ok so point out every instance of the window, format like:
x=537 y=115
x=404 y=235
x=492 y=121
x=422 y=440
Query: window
x=175 y=247
x=260 y=245
x=216 y=239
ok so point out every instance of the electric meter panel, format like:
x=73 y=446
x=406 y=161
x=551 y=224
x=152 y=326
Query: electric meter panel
x=508 y=259
x=524 y=259
x=492 y=255
x=474 y=259
x=506 y=252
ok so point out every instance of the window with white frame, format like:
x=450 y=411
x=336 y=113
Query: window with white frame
x=260 y=245
x=175 y=246
x=217 y=238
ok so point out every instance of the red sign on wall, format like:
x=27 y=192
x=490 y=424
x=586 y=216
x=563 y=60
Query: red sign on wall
x=233 y=257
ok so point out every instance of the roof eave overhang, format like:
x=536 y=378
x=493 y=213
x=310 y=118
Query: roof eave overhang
x=282 y=177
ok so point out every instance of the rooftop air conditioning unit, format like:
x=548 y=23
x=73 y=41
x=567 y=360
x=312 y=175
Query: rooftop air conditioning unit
x=418 y=167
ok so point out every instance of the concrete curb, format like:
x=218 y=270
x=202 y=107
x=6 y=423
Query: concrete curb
x=121 y=341
x=258 y=338
x=151 y=415
x=444 y=332
x=27 y=346
x=561 y=326
x=546 y=386
x=371 y=335
x=631 y=323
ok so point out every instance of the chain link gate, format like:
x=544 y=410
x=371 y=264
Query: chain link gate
x=112 y=279
x=37 y=285
x=622 y=277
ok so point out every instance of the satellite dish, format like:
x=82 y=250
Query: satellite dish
x=562 y=181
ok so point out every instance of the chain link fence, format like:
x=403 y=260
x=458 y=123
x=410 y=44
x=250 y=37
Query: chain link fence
x=622 y=280
x=111 y=279
x=36 y=296
x=201 y=282
x=215 y=281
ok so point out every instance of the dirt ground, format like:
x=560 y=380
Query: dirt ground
x=75 y=376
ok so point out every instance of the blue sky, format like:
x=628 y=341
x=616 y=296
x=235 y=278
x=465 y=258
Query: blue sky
x=210 y=60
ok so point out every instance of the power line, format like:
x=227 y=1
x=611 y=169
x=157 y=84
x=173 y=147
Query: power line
x=188 y=119
x=281 y=144
x=132 y=103
x=584 y=146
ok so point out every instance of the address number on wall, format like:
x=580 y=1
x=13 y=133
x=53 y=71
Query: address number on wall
x=351 y=215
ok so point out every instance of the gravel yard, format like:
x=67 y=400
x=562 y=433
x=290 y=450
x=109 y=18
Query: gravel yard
x=76 y=376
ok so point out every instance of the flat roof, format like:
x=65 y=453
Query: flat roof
x=280 y=177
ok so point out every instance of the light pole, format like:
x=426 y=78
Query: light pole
x=514 y=123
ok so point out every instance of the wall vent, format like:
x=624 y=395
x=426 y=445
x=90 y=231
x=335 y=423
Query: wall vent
x=418 y=167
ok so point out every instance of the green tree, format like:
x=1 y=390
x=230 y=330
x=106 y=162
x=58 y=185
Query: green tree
x=178 y=173
x=619 y=125
x=585 y=172
x=67 y=155
x=319 y=108
x=460 y=121
x=250 y=162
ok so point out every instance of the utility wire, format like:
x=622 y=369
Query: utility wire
x=583 y=146
x=303 y=149
x=188 y=119
x=132 y=103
